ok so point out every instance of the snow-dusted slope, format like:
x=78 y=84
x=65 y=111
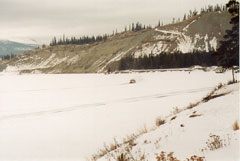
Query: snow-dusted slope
x=202 y=32
x=69 y=117
x=205 y=131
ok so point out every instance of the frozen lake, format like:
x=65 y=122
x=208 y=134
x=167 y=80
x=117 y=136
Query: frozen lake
x=69 y=117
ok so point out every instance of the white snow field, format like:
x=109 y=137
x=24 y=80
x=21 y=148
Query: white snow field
x=205 y=131
x=69 y=117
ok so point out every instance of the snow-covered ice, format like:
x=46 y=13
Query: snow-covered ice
x=69 y=117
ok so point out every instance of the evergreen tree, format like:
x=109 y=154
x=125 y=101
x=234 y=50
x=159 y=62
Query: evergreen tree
x=184 y=17
x=159 y=24
x=166 y=60
x=195 y=12
x=133 y=27
x=227 y=54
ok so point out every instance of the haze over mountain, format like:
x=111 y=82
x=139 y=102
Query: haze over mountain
x=10 y=47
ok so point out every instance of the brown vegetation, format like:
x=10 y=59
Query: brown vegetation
x=235 y=126
x=163 y=156
x=159 y=121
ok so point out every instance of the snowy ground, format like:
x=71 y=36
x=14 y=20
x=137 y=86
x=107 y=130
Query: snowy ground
x=69 y=117
x=205 y=131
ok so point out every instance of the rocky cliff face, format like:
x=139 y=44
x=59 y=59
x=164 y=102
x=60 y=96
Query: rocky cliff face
x=202 y=32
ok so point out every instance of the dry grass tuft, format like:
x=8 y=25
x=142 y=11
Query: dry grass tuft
x=219 y=86
x=174 y=117
x=191 y=105
x=211 y=94
x=235 y=126
x=142 y=130
x=122 y=157
x=159 y=121
x=207 y=98
x=195 y=115
x=105 y=150
x=176 y=110
x=231 y=82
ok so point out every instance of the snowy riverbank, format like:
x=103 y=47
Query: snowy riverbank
x=69 y=117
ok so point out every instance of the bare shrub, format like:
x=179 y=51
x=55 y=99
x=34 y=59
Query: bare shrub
x=163 y=156
x=214 y=142
x=159 y=121
x=106 y=149
x=195 y=158
x=235 y=126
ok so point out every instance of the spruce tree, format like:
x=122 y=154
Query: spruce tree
x=227 y=54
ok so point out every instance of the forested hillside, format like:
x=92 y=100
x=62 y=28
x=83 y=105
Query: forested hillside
x=185 y=42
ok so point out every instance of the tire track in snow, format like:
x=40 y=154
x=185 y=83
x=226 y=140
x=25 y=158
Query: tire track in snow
x=65 y=109
x=92 y=105
x=47 y=89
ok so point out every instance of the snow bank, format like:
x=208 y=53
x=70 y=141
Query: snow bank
x=205 y=131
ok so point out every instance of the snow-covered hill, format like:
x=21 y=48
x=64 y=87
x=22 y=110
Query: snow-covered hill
x=202 y=32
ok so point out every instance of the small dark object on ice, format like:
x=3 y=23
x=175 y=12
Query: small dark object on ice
x=132 y=81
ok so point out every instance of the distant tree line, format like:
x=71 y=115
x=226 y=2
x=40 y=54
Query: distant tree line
x=92 y=39
x=138 y=26
x=8 y=56
x=79 y=41
x=168 y=60
x=209 y=8
x=132 y=27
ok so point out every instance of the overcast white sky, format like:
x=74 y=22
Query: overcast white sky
x=43 y=19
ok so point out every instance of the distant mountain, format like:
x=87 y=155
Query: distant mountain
x=201 y=32
x=10 y=47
